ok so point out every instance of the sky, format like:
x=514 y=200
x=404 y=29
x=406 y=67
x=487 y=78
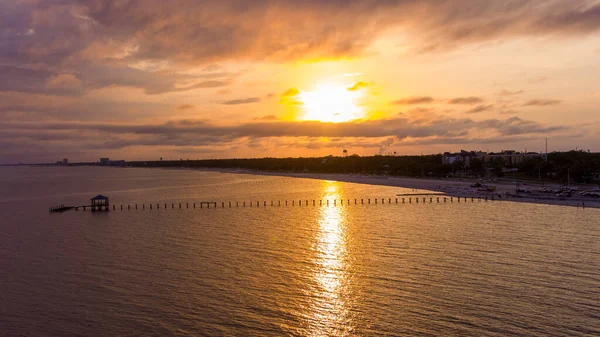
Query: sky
x=183 y=79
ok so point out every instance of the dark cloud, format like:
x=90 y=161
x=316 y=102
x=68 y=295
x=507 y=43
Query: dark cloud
x=508 y=93
x=414 y=100
x=34 y=80
x=242 y=101
x=266 y=118
x=397 y=127
x=185 y=107
x=480 y=108
x=542 y=102
x=466 y=100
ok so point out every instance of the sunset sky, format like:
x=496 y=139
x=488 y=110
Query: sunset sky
x=200 y=79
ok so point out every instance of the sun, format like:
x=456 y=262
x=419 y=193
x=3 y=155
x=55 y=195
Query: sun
x=331 y=103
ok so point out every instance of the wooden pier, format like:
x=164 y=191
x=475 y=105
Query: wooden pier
x=422 y=199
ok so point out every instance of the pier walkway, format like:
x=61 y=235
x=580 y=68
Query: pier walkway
x=430 y=199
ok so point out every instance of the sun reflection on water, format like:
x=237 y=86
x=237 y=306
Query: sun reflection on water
x=329 y=311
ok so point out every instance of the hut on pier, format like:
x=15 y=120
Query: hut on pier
x=100 y=202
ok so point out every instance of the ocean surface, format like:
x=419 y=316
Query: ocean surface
x=447 y=269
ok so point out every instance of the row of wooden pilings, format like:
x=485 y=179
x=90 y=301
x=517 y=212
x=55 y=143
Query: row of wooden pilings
x=279 y=203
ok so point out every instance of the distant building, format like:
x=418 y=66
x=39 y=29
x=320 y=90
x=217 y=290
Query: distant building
x=65 y=161
x=120 y=163
x=104 y=161
x=463 y=156
x=510 y=157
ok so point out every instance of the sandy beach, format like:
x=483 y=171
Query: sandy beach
x=504 y=189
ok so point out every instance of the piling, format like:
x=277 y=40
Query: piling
x=135 y=207
x=369 y=201
x=402 y=200
x=334 y=201
x=179 y=205
x=121 y=207
x=128 y=207
x=150 y=206
x=327 y=202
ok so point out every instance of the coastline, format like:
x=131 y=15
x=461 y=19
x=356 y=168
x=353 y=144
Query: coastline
x=447 y=187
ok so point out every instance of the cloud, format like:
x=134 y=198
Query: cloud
x=537 y=79
x=242 y=101
x=36 y=80
x=185 y=107
x=414 y=100
x=508 y=93
x=466 y=100
x=358 y=85
x=542 y=102
x=291 y=92
x=480 y=108
x=102 y=43
x=266 y=118
x=179 y=132
x=209 y=32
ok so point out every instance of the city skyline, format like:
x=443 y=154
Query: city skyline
x=142 y=80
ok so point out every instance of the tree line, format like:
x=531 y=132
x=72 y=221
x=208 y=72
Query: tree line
x=579 y=166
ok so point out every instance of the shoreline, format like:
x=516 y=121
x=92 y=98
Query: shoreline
x=447 y=187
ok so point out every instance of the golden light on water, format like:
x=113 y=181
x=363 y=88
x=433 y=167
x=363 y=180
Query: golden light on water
x=330 y=308
x=331 y=103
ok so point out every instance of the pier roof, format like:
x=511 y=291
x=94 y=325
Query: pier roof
x=99 y=197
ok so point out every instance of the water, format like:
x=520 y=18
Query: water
x=469 y=269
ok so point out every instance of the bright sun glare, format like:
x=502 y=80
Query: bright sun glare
x=331 y=103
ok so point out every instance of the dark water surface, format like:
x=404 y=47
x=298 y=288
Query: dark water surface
x=468 y=269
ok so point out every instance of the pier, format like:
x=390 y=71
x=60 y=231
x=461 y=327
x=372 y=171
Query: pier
x=101 y=203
